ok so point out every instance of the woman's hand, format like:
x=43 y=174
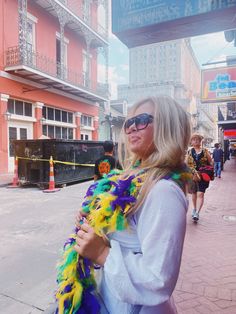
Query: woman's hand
x=90 y=245
x=196 y=177
x=79 y=218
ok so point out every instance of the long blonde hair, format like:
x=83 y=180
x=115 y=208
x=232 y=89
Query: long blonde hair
x=171 y=137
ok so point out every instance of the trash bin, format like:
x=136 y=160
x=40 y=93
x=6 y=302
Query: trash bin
x=33 y=160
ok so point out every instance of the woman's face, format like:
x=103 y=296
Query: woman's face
x=141 y=141
x=196 y=142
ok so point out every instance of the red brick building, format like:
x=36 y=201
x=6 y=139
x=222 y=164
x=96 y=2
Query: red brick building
x=48 y=70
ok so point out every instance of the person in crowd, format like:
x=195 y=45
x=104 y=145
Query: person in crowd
x=106 y=163
x=198 y=157
x=217 y=158
x=135 y=221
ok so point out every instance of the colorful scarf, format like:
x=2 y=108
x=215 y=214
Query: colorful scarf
x=107 y=202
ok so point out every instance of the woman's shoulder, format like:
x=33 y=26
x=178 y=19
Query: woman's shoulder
x=165 y=188
x=164 y=194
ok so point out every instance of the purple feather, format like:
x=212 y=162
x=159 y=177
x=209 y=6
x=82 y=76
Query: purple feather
x=69 y=241
x=89 y=304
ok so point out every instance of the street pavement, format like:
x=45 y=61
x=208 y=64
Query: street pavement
x=207 y=281
x=34 y=226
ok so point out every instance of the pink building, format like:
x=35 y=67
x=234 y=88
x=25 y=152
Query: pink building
x=48 y=70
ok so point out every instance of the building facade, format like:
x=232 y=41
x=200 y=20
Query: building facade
x=168 y=68
x=48 y=70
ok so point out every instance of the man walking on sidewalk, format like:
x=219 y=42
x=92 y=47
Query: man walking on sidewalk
x=217 y=157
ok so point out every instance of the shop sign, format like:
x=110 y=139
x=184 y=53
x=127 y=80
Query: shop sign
x=140 y=22
x=229 y=134
x=218 y=85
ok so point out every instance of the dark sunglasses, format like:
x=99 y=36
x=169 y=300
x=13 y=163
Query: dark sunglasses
x=140 y=121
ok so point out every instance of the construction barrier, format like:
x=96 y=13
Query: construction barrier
x=51 y=188
x=15 y=181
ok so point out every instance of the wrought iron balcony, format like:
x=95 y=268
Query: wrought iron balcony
x=78 y=19
x=43 y=70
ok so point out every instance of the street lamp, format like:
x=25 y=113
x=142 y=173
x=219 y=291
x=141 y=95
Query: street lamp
x=7 y=115
x=109 y=119
x=42 y=120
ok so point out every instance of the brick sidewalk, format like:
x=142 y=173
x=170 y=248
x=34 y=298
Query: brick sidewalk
x=207 y=281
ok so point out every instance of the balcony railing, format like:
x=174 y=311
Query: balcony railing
x=45 y=65
x=79 y=11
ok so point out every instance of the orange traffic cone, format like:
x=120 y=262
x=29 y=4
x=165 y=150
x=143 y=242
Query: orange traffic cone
x=15 y=181
x=51 y=187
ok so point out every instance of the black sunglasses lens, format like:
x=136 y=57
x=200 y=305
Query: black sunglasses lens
x=141 y=122
x=129 y=122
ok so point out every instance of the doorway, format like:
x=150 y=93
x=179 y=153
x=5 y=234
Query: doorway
x=17 y=131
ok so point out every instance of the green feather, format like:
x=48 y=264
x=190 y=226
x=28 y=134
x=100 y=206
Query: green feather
x=175 y=176
x=120 y=222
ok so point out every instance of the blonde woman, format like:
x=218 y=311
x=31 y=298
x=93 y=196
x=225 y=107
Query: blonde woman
x=141 y=263
x=198 y=157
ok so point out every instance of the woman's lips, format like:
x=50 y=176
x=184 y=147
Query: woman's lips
x=133 y=139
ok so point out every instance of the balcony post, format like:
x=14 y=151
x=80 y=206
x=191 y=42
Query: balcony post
x=22 y=26
x=62 y=48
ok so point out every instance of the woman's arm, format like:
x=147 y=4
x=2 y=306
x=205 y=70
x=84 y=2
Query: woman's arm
x=150 y=276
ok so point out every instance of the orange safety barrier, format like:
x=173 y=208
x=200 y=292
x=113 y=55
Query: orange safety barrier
x=15 y=181
x=51 y=187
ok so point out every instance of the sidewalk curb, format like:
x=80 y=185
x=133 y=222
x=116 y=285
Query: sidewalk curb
x=3 y=185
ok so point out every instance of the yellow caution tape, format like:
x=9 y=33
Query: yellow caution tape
x=57 y=161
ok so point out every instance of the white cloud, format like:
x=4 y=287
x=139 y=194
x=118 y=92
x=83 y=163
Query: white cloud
x=113 y=78
x=124 y=67
x=211 y=47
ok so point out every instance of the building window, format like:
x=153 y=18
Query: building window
x=58 y=132
x=30 y=38
x=57 y=115
x=86 y=120
x=19 y=107
x=84 y=137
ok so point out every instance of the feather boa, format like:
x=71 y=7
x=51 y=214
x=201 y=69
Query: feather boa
x=106 y=203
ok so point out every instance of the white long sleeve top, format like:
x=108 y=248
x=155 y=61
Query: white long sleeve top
x=142 y=267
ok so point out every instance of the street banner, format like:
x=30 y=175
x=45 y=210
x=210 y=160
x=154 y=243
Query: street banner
x=218 y=84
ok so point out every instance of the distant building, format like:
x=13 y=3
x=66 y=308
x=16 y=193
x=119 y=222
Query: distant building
x=48 y=71
x=169 y=68
x=111 y=120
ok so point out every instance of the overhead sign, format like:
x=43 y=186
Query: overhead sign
x=218 y=85
x=140 y=22
x=230 y=134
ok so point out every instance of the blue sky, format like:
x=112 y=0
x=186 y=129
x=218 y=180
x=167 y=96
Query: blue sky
x=210 y=47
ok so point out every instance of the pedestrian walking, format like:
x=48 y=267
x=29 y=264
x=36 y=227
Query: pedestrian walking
x=198 y=157
x=135 y=222
x=217 y=158
x=106 y=163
